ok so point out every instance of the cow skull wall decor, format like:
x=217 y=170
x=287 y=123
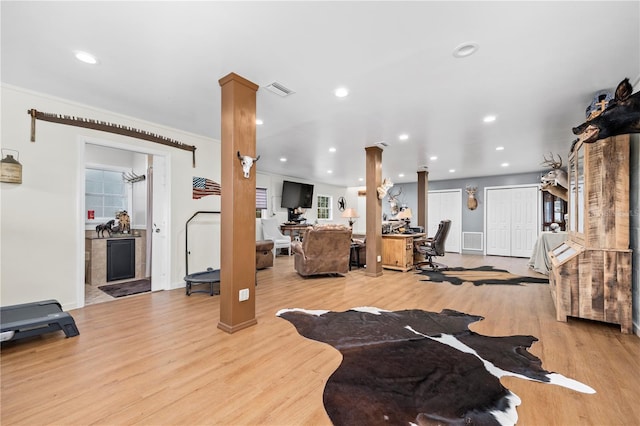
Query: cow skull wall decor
x=472 y=201
x=556 y=180
x=247 y=162
x=621 y=116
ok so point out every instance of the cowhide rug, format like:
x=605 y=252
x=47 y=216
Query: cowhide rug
x=479 y=276
x=419 y=367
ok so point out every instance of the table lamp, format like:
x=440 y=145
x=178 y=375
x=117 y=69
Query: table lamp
x=405 y=215
x=350 y=214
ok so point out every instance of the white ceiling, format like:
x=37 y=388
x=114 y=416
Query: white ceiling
x=537 y=69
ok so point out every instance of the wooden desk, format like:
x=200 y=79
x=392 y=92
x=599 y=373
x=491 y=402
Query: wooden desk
x=397 y=251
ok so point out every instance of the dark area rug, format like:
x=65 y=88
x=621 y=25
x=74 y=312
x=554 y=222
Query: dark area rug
x=128 y=288
x=420 y=367
x=480 y=276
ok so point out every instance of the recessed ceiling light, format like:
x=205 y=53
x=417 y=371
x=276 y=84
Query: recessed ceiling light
x=403 y=137
x=341 y=92
x=259 y=122
x=433 y=157
x=505 y=164
x=329 y=171
x=85 y=57
x=361 y=179
x=499 y=148
x=465 y=49
x=332 y=149
x=452 y=170
x=489 y=119
x=400 y=174
x=283 y=159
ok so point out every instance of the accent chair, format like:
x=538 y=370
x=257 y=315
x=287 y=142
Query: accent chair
x=324 y=249
x=271 y=231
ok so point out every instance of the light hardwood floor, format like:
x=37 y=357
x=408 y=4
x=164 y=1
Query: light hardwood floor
x=159 y=358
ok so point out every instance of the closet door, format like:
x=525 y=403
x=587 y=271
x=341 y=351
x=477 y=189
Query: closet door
x=446 y=205
x=498 y=222
x=512 y=220
x=524 y=221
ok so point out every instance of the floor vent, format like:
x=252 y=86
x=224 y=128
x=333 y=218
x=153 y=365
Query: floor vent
x=472 y=241
x=279 y=89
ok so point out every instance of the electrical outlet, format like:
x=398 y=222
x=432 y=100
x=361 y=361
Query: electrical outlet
x=379 y=258
x=243 y=295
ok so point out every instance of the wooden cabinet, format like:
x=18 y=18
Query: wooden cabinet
x=591 y=272
x=397 y=251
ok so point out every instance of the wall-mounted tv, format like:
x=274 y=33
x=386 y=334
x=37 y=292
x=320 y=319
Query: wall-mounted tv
x=295 y=194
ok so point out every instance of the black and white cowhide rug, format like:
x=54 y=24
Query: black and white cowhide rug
x=417 y=367
x=482 y=275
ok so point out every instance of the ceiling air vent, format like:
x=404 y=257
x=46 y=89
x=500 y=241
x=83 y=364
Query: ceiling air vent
x=279 y=89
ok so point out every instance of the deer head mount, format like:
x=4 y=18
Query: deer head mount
x=555 y=181
x=247 y=162
x=393 y=201
x=472 y=201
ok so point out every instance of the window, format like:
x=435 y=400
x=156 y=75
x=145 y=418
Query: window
x=324 y=207
x=106 y=193
x=261 y=202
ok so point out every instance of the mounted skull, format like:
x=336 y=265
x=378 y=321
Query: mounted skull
x=247 y=163
x=555 y=181
x=382 y=189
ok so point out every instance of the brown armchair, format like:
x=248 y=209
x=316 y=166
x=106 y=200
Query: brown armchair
x=324 y=250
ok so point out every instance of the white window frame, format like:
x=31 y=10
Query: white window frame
x=329 y=207
x=98 y=220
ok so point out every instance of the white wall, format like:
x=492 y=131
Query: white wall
x=42 y=219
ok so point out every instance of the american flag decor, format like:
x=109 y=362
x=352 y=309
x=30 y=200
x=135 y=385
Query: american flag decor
x=203 y=187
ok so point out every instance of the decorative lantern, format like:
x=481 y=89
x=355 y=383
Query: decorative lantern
x=11 y=169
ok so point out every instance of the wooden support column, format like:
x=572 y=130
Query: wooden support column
x=423 y=200
x=374 y=212
x=238 y=241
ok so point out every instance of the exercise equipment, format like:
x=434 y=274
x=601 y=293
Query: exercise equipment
x=32 y=319
x=210 y=276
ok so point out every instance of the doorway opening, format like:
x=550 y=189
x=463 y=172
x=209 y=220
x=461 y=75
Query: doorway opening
x=146 y=202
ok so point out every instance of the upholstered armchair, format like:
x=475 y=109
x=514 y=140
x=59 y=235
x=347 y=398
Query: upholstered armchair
x=324 y=249
x=271 y=231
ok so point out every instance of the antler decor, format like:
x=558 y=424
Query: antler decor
x=106 y=127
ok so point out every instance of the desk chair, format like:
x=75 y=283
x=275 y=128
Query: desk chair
x=271 y=231
x=432 y=247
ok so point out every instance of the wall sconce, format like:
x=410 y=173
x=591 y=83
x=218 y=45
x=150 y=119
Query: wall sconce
x=350 y=214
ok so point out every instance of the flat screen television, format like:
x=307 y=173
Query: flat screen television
x=295 y=194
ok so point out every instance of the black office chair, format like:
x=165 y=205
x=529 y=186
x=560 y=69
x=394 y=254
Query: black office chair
x=432 y=247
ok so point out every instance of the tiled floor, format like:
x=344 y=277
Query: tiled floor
x=93 y=295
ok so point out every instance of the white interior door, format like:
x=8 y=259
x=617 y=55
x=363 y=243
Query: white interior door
x=446 y=205
x=512 y=220
x=498 y=219
x=524 y=221
x=160 y=223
